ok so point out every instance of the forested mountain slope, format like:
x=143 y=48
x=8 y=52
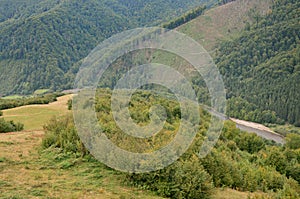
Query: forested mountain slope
x=262 y=66
x=257 y=51
x=42 y=40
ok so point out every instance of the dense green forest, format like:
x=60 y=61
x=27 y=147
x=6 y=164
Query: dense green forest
x=43 y=41
x=239 y=160
x=262 y=66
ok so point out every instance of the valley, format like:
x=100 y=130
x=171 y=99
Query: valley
x=255 y=45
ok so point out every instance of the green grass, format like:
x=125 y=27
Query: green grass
x=2 y=159
x=6 y=143
x=34 y=117
x=52 y=174
x=41 y=91
x=13 y=97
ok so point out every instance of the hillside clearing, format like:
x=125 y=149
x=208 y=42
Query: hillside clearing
x=35 y=116
x=27 y=173
x=223 y=22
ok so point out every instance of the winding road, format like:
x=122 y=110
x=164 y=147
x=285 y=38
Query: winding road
x=249 y=127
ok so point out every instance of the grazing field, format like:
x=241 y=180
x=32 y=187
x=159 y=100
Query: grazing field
x=12 y=97
x=35 y=116
x=28 y=172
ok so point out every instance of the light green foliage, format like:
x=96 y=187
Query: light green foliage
x=61 y=133
x=240 y=160
x=183 y=179
x=293 y=141
x=41 y=91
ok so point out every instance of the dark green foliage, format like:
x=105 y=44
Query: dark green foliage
x=249 y=142
x=293 y=141
x=43 y=42
x=70 y=102
x=184 y=18
x=262 y=67
x=183 y=179
x=10 y=126
x=44 y=99
x=1 y=113
x=238 y=107
x=293 y=171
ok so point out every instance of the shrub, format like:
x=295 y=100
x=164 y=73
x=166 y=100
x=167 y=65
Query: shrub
x=182 y=179
x=250 y=142
x=70 y=103
x=10 y=126
x=61 y=133
x=293 y=141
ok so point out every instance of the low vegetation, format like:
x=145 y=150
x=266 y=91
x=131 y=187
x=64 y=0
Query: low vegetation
x=239 y=161
x=29 y=172
x=10 y=126
x=42 y=99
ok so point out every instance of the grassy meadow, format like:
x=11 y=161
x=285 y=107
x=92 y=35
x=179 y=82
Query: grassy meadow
x=34 y=117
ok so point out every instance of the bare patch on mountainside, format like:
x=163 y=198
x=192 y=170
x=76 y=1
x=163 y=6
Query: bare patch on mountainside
x=224 y=22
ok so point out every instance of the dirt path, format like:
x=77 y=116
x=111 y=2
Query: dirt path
x=259 y=129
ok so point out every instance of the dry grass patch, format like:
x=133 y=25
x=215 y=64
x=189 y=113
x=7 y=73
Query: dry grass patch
x=27 y=172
